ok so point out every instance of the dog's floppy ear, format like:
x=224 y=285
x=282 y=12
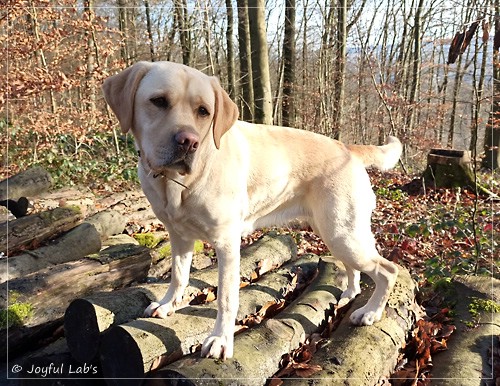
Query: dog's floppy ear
x=226 y=112
x=119 y=92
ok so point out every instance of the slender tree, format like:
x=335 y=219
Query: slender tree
x=247 y=100
x=338 y=111
x=260 y=62
x=289 y=53
x=492 y=133
x=150 y=31
x=230 y=50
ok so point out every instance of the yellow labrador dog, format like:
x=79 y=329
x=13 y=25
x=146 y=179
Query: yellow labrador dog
x=209 y=176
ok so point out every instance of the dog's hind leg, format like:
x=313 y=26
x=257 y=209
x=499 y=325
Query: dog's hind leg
x=182 y=254
x=361 y=255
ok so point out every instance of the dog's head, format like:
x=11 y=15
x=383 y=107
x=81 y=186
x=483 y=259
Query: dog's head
x=172 y=110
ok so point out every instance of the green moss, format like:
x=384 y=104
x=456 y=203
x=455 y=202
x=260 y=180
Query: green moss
x=482 y=305
x=198 y=246
x=166 y=250
x=148 y=240
x=16 y=313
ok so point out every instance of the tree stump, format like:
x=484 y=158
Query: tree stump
x=449 y=169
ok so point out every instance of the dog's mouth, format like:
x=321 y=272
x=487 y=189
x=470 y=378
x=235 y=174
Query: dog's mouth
x=181 y=164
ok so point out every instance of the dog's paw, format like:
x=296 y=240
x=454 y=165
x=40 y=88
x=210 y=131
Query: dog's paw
x=219 y=347
x=157 y=310
x=364 y=317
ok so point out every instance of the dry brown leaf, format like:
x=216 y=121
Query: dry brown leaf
x=305 y=370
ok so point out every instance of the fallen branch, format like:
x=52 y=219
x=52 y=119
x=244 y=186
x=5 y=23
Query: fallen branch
x=36 y=303
x=28 y=232
x=257 y=352
x=77 y=243
x=152 y=343
x=87 y=318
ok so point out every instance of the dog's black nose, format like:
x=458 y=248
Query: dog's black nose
x=187 y=141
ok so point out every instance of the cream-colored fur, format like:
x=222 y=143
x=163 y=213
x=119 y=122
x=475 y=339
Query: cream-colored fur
x=209 y=176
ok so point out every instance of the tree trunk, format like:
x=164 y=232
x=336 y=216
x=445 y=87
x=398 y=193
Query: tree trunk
x=76 y=244
x=28 y=232
x=87 y=318
x=28 y=183
x=184 y=30
x=339 y=90
x=492 y=132
x=247 y=100
x=36 y=303
x=231 y=79
x=152 y=52
x=271 y=340
x=123 y=27
x=260 y=62
x=153 y=343
x=288 y=102
x=363 y=355
x=416 y=62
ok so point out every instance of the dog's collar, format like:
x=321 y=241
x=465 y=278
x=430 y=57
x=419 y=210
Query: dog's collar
x=162 y=175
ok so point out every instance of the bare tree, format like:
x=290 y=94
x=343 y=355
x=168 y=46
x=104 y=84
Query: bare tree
x=230 y=50
x=260 y=62
x=289 y=53
x=492 y=133
x=247 y=100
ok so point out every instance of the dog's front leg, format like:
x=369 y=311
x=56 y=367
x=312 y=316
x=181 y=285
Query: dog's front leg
x=220 y=343
x=182 y=254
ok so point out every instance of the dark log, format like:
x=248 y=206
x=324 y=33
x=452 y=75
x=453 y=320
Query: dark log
x=258 y=351
x=28 y=232
x=79 y=242
x=87 y=318
x=28 y=183
x=471 y=347
x=36 y=303
x=363 y=355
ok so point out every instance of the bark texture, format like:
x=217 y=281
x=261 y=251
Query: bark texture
x=467 y=362
x=362 y=355
x=153 y=343
x=87 y=318
x=28 y=183
x=257 y=352
x=28 y=232
x=77 y=243
x=36 y=303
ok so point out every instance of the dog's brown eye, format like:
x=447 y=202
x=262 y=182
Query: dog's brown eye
x=160 y=102
x=203 y=112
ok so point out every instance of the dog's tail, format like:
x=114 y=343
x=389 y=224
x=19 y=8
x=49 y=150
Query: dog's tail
x=381 y=157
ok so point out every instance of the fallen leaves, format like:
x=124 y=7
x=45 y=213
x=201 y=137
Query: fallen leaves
x=428 y=338
x=297 y=363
